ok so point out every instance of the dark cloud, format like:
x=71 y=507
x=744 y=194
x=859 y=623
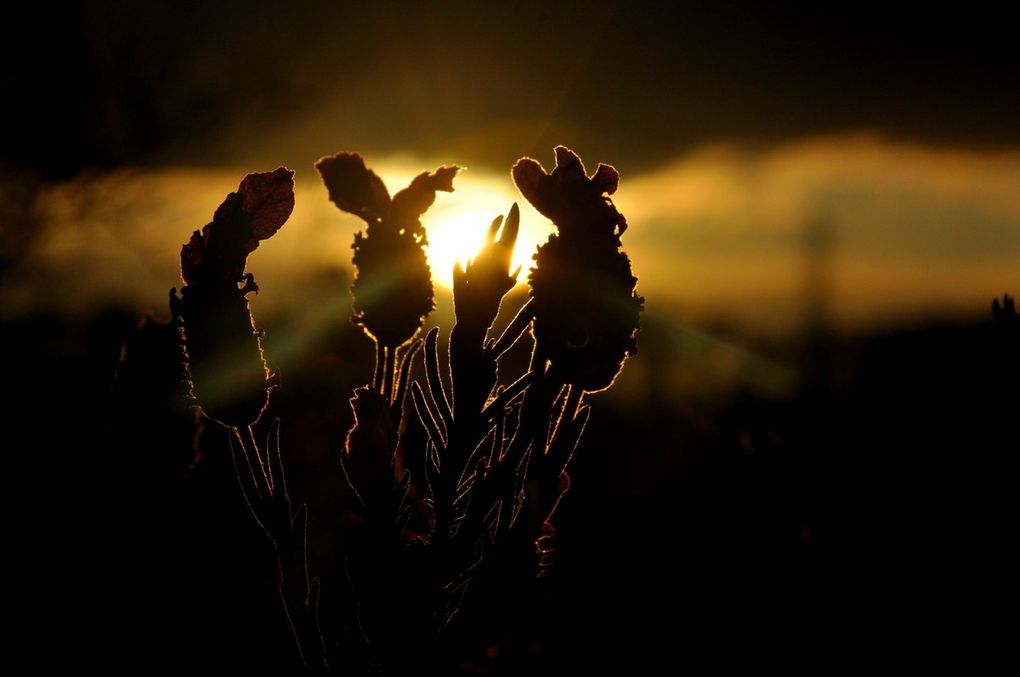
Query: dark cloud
x=104 y=83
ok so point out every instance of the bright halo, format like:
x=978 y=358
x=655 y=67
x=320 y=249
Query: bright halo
x=457 y=222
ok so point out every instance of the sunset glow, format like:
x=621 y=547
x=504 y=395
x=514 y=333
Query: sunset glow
x=552 y=338
x=457 y=224
x=715 y=232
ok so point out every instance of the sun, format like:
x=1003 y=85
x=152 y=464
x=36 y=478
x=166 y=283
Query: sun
x=456 y=225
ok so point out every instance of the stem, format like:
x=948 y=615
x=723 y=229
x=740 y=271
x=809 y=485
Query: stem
x=527 y=429
x=405 y=372
x=391 y=358
x=380 y=357
x=247 y=453
x=434 y=380
x=515 y=329
x=428 y=418
x=267 y=468
x=495 y=408
x=567 y=414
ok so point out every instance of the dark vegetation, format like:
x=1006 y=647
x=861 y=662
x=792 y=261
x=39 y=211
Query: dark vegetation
x=445 y=474
x=870 y=515
x=866 y=515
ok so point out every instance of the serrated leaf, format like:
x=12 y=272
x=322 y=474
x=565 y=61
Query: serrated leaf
x=191 y=257
x=353 y=187
x=415 y=200
x=268 y=199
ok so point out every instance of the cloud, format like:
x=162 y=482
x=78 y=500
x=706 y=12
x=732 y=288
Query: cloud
x=906 y=227
x=859 y=176
x=719 y=233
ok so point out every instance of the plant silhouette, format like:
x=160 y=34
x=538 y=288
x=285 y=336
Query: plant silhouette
x=443 y=467
x=223 y=359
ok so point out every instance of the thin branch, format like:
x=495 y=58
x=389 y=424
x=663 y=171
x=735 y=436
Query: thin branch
x=507 y=395
x=391 y=359
x=264 y=462
x=254 y=477
x=433 y=378
x=559 y=458
x=425 y=414
x=379 y=363
x=515 y=329
x=527 y=428
x=274 y=456
x=405 y=370
x=567 y=414
x=249 y=485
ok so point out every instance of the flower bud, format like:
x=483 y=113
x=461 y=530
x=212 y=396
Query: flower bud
x=587 y=311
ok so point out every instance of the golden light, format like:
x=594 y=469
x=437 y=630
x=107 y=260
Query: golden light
x=457 y=223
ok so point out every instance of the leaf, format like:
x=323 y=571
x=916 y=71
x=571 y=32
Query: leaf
x=606 y=179
x=567 y=161
x=353 y=187
x=191 y=258
x=219 y=250
x=262 y=204
x=528 y=174
x=268 y=199
x=415 y=200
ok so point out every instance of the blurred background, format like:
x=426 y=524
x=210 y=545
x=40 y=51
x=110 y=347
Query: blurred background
x=812 y=460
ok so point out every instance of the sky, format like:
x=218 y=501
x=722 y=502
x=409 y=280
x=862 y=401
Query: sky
x=784 y=165
x=870 y=152
x=104 y=83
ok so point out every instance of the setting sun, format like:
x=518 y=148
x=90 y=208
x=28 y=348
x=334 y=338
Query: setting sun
x=456 y=225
